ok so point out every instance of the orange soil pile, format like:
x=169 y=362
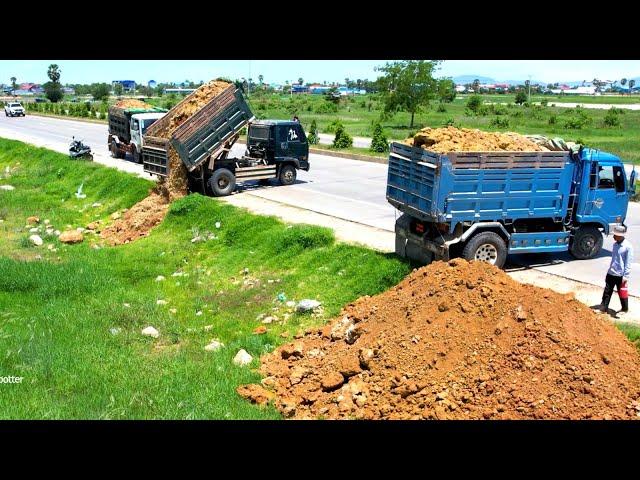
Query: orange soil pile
x=176 y=185
x=138 y=221
x=132 y=103
x=452 y=139
x=457 y=340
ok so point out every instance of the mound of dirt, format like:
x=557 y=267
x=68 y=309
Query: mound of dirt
x=132 y=103
x=452 y=139
x=138 y=221
x=457 y=340
x=176 y=185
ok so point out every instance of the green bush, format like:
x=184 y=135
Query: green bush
x=499 y=110
x=326 y=107
x=313 y=133
x=544 y=102
x=474 y=103
x=500 y=122
x=611 y=119
x=574 y=123
x=553 y=119
x=342 y=139
x=449 y=122
x=379 y=142
x=442 y=108
x=333 y=126
x=306 y=237
x=521 y=97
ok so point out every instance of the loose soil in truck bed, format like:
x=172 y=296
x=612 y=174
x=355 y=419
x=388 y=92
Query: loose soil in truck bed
x=138 y=221
x=175 y=185
x=456 y=340
x=452 y=139
x=132 y=103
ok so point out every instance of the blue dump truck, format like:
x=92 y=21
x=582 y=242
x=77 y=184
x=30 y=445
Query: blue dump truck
x=486 y=205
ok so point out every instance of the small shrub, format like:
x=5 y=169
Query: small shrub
x=342 y=139
x=544 y=102
x=333 y=126
x=611 y=119
x=306 y=237
x=313 y=133
x=474 y=103
x=500 y=122
x=379 y=142
x=442 y=108
x=326 y=107
x=553 y=119
x=521 y=97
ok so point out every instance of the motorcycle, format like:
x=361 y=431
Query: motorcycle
x=77 y=149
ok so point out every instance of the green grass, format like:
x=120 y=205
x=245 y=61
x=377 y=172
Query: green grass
x=57 y=307
x=631 y=330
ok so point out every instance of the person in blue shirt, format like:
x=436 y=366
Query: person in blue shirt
x=619 y=270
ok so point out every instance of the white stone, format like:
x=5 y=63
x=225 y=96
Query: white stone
x=217 y=224
x=161 y=302
x=307 y=305
x=177 y=274
x=151 y=332
x=57 y=233
x=213 y=346
x=173 y=310
x=96 y=204
x=34 y=230
x=126 y=305
x=36 y=240
x=7 y=187
x=208 y=328
x=198 y=313
x=242 y=358
x=268 y=320
x=159 y=278
x=115 y=331
x=290 y=303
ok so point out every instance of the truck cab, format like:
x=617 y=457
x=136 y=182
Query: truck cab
x=278 y=141
x=139 y=124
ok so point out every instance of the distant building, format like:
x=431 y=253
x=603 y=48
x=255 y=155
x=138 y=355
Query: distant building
x=295 y=88
x=127 y=85
x=179 y=90
x=68 y=91
x=152 y=84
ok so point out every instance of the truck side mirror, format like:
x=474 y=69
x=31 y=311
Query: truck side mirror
x=632 y=182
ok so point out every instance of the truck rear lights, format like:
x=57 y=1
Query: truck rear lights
x=419 y=227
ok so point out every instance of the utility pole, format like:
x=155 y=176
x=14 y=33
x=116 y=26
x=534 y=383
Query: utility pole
x=529 y=89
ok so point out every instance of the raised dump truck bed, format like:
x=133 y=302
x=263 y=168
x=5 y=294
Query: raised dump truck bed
x=479 y=186
x=208 y=133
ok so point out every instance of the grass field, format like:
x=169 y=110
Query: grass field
x=57 y=307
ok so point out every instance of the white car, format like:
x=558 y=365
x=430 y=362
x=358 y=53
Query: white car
x=14 y=109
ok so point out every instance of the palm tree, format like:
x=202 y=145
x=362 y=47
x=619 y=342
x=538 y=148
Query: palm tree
x=260 y=78
x=13 y=85
x=632 y=83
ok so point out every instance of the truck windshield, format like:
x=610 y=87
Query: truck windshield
x=259 y=133
x=147 y=124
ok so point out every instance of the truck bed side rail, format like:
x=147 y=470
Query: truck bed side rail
x=507 y=160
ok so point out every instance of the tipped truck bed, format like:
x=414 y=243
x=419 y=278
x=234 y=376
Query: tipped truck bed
x=205 y=134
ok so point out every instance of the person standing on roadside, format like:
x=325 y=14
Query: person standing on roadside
x=619 y=270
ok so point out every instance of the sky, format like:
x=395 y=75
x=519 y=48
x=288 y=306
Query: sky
x=278 y=71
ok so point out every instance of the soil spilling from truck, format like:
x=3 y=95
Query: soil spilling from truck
x=145 y=215
x=457 y=340
x=138 y=221
x=452 y=139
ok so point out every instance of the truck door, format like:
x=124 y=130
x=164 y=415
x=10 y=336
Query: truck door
x=135 y=131
x=608 y=196
x=292 y=141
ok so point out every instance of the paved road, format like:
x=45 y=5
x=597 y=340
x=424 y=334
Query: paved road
x=346 y=189
x=596 y=106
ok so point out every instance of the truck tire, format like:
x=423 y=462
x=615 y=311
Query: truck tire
x=487 y=247
x=222 y=182
x=287 y=174
x=586 y=243
x=137 y=157
x=114 y=149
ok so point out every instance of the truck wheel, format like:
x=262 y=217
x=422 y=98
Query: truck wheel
x=287 y=175
x=487 y=247
x=586 y=243
x=137 y=158
x=114 y=149
x=222 y=182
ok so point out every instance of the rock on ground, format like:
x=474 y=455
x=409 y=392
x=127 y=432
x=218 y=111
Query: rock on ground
x=150 y=332
x=71 y=236
x=242 y=358
x=36 y=240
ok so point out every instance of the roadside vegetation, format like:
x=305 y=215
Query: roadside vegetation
x=71 y=316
